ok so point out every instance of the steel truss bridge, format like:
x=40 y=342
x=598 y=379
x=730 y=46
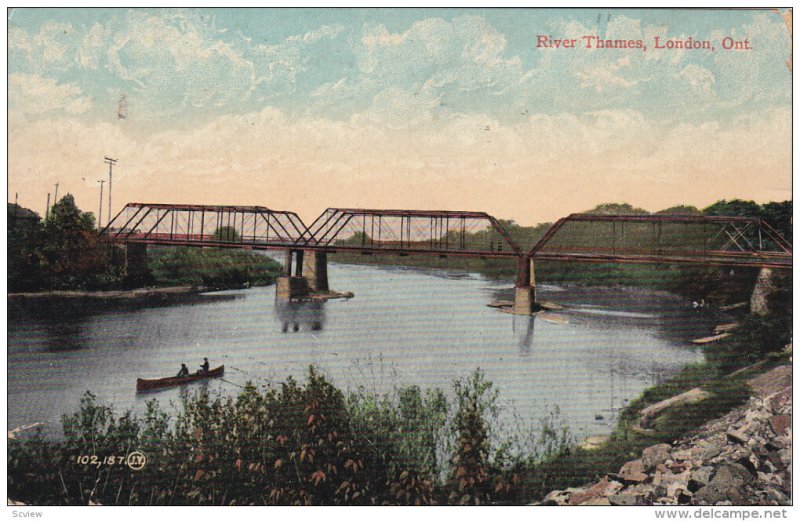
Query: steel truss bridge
x=663 y=239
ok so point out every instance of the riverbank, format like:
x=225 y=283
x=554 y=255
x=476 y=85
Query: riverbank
x=673 y=414
x=131 y=294
x=742 y=458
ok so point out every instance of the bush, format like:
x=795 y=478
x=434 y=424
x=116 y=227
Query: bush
x=297 y=445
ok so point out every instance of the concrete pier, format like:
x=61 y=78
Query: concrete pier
x=134 y=261
x=288 y=288
x=304 y=272
x=524 y=288
x=315 y=270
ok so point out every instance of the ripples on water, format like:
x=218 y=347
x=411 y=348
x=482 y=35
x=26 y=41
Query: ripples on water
x=404 y=326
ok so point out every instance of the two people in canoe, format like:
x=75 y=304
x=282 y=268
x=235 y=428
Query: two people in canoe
x=184 y=372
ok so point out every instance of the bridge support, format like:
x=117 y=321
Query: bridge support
x=315 y=270
x=759 y=300
x=304 y=271
x=132 y=257
x=525 y=287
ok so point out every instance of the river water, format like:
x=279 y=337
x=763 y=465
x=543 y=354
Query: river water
x=404 y=326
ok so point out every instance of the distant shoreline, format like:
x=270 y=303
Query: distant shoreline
x=106 y=295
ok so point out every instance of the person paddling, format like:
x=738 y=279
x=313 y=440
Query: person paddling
x=204 y=367
x=183 y=372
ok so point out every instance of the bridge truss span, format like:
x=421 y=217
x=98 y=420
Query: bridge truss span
x=248 y=227
x=665 y=239
x=405 y=232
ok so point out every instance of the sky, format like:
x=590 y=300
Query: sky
x=432 y=109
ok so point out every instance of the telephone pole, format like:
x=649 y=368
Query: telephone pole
x=100 y=213
x=111 y=163
x=47 y=208
x=55 y=197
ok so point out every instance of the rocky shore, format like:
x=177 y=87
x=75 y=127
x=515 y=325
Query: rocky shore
x=742 y=458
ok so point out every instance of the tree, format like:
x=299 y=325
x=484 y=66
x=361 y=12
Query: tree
x=72 y=252
x=226 y=234
x=734 y=208
x=617 y=209
x=680 y=209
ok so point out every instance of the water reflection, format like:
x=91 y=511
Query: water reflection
x=523 y=325
x=300 y=316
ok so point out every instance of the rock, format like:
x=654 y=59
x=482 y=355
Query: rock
x=700 y=478
x=655 y=455
x=748 y=464
x=600 y=489
x=728 y=484
x=737 y=436
x=622 y=500
x=673 y=489
x=682 y=455
x=785 y=455
x=733 y=474
x=781 y=424
x=775 y=444
x=711 y=452
x=599 y=501
x=632 y=472
x=556 y=497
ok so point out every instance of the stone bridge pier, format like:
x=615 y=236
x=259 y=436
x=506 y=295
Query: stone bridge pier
x=524 y=287
x=304 y=272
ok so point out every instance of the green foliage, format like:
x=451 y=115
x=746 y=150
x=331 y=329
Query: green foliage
x=299 y=444
x=226 y=234
x=617 y=209
x=211 y=267
x=680 y=209
x=64 y=252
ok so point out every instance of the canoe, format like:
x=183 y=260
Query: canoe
x=147 y=384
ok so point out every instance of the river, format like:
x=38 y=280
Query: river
x=404 y=326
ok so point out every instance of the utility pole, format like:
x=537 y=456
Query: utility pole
x=55 y=197
x=16 y=209
x=111 y=163
x=100 y=213
x=47 y=208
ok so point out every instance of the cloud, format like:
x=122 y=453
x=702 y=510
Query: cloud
x=467 y=53
x=176 y=61
x=326 y=31
x=34 y=94
x=563 y=162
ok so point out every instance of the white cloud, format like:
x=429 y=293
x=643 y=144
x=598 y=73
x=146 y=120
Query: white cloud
x=565 y=162
x=34 y=94
x=326 y=31
x=467 y=53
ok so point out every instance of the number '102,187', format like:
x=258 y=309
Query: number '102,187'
x=86 y=459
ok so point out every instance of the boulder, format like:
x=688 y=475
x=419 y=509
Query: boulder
x=631 y=473
x=602 y=488
x=781 y=424
x=655 y=455
x=556 y=497
x=622 y=500
x=737 y=436
x=699 y=478
x=727 y=485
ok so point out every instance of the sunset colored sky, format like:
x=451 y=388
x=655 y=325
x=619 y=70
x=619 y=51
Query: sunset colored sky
x=397 y=108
